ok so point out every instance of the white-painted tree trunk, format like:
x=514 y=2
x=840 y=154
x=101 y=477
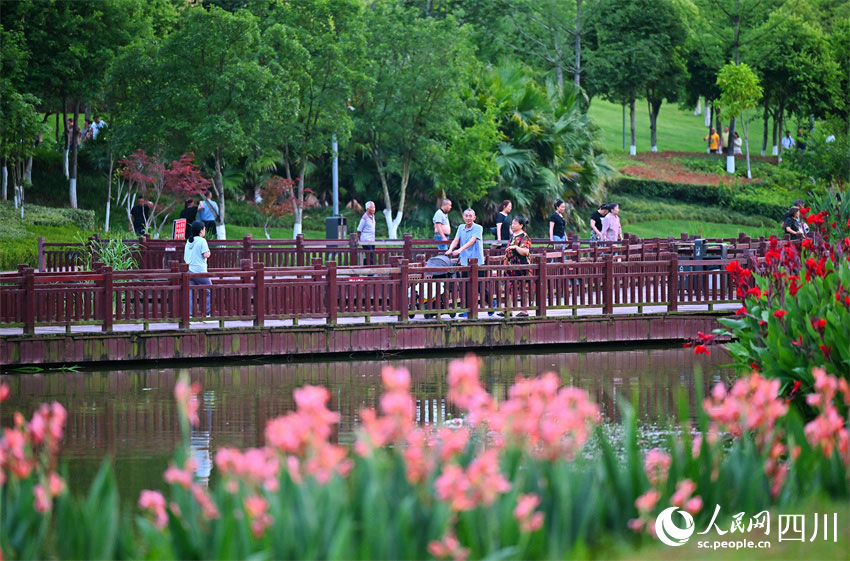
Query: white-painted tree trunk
x=221 y=231
x=632 y=150
x=654 y=149
x=106 y=227
x=392 y=223
x=775 y=151
x=73 y=190
x=707 y=114
x=296 y=229
x=730 y=164
x=5 y=182
x=65 y=163
x=698 y=108
x=28 y=174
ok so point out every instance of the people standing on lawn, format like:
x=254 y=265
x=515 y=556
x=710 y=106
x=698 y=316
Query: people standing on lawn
x=205 y=212
x=737 y=144
x=788 y=141
x=139 y=215
x=596 y=222
x=442 y=228
x=366 y=233
x=503 y=221
x=517 y=253
x=96 y=127
x=195 y=254
x=791 y=224
x=725 y=141
x=611 y=229
x=713 y=140
x=558 y=225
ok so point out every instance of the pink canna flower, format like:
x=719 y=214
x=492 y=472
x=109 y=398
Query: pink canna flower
x=418 y=458
x=694 y=505
x=529 y=521
x=395 y=379
x=448 y=548
x=656 y=465
x=453 y=442
x=636 y=524
x=4 y=392
x=55 y=484
x=154 y=503
x=186 y=396
x=41 y=498
x=183 y=477
x=208 y=507
x=684 y=489
x=647 y=501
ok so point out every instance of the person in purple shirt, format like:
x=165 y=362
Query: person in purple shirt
x=611 y=229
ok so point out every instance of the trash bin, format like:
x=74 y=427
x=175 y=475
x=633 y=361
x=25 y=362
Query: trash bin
x=335 y=228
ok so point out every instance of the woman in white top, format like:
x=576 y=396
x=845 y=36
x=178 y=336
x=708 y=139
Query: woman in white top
x=195 y=255
x=611 y=229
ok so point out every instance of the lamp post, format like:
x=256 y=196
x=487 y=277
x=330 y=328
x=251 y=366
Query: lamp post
x=335 y=175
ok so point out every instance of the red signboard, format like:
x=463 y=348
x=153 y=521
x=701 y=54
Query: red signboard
x=179 y=230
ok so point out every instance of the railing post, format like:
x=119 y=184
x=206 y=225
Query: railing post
x=403 y=289
x=353 y=258
x=542 y=287
x=332 y=292
x=299 y=249
x=246 y=247
x=608 y=284
x=29 y=300
x=408 y=247
x=106 y=308
x=185 y=298
x=42 y=260
x=245 y=265
x=673 y=283
x=472 y=288
x=259 y=294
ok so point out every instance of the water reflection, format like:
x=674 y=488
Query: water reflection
x=130 y=414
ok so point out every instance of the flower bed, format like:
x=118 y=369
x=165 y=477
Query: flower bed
x=515 y=479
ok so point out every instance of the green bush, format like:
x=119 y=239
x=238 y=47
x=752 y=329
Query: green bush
x=19 y=238
x=642 y=209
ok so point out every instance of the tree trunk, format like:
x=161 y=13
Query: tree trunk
x=708 y=113
x=72 y=169
x=654 y=109
x=730 y=150
x=746 y=146
x=5 y=181
x=559 y=74
x=28 y=172
x=775 y=150
x=633 y=145
x=67 y=139
x=286 y=161
x=298 y=202
x=578 y=45
x=57 y=127
x=218 y=183
x=766 y=119
x=88 y=113
x=108 y=191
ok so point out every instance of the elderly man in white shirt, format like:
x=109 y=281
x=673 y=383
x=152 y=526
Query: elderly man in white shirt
x=366 y=233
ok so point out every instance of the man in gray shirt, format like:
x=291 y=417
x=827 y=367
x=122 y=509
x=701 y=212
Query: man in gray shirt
x=442 y=228
x=366 y=233
x=468 y=237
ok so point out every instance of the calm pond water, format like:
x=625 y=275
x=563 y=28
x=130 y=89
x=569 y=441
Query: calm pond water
x=129 y=414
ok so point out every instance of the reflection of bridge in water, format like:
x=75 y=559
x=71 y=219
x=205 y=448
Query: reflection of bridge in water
x=132 y=412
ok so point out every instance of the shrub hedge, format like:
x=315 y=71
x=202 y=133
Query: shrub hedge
x=751 y=199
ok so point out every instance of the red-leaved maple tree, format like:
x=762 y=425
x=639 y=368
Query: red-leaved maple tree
x=278 y=199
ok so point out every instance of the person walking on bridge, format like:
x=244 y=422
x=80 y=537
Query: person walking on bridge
x=195 y=254
x=366 y=233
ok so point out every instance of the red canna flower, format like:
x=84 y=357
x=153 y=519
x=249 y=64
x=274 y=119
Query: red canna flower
x=826 y=350
x=798 y=342
x=807 y=244
x=705 y=338
x=701 y=350
x=819 y=324
x=817 y=219
x=742 y=311
x=688 y=344
x=804 y=210
x=754 y=291
x=779 y=314
x=754 y=366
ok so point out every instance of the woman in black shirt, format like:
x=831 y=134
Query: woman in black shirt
x=557 y=225
x=503 y=221
x=790 y=226
x=596 y=222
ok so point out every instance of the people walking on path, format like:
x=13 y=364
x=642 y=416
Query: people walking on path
x=611 y=229
x=503 y=221
x=207 y=212
x=366 y=233
x=558 y=226
x=189 y=212
x=596 y=222
x=788 y=141
x=195 y=254
x=517 y=253
x=442 y=228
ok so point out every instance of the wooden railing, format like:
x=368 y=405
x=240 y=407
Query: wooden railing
x=330 y=291
x=300 y=252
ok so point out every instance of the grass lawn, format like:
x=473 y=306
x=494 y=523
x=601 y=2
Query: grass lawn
x=678 y=129
x=667 y=228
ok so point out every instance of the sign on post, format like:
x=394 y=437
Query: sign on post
x=178 y=232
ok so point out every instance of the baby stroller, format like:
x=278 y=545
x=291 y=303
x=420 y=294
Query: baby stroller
x=433 y=295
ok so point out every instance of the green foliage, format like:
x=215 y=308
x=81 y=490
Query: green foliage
x=739 y=89
x=19 y=238
x=111 y=252
x=635 y=209
x=743 y=198
x=826 y=163
x=471 y=167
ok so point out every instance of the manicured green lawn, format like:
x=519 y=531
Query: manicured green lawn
x=678 y=129
x=667 y=228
